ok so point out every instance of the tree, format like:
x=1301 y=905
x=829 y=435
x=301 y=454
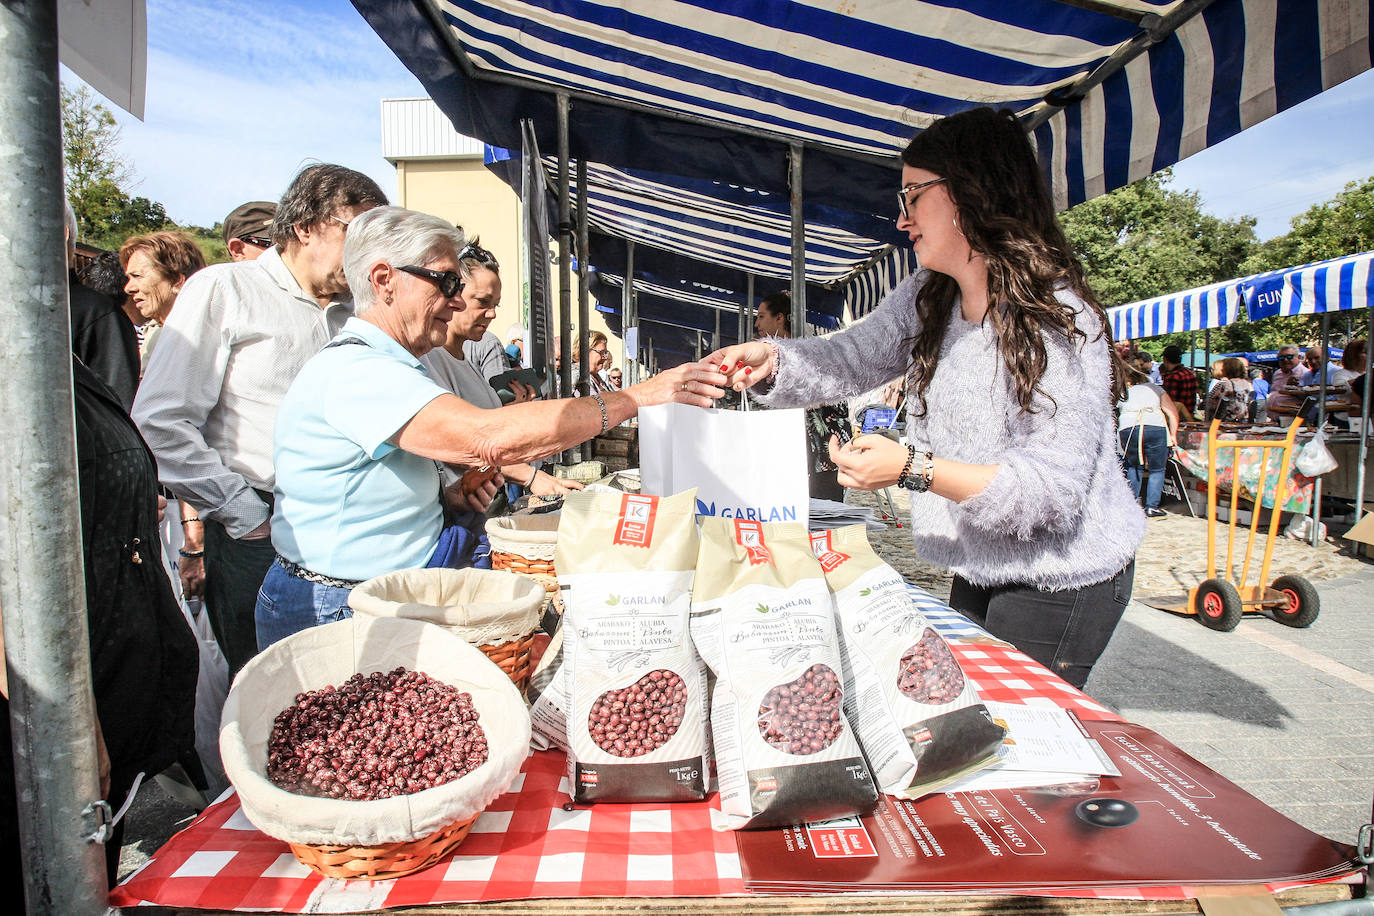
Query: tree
x=1145 y=240
x=96 y=172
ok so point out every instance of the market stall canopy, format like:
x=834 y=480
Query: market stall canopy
x=1334 y=285
x=1112 y=90
x=106 y=44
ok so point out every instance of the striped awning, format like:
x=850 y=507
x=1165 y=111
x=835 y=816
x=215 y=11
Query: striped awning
x=1111 y=89
x=1338 y=284
x=1191 y=310
x=863 y=293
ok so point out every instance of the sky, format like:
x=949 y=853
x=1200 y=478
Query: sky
x=241 y=95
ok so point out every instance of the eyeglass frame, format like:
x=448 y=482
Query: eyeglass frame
x=257 y=241
x=344 y=222
x=1287 y=356
x=603 y=351
x=904 y=205
x=479 y=254
x=440 y=278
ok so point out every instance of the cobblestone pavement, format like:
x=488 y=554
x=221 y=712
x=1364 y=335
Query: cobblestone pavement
x=1287 y=714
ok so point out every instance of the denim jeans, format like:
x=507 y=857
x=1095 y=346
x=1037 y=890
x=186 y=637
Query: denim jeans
x=234 y=570
x=288 y=605
x=1156 y=447
x=1066 y=631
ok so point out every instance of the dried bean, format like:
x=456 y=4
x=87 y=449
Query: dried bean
x=929 y=673
x=803 y=716
x=640 y=718
x=376 y=736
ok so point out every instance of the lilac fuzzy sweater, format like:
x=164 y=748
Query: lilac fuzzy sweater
x=1058 y=514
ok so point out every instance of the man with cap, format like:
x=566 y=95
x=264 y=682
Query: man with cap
x=248 y=230
x=208 y=402
x=515 y=346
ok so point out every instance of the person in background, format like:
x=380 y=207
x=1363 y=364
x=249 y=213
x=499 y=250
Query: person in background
x=1179 y=382
x=1147 y=426
x=363 y=425
x=615 y=378
x=1352 y=368
x=248 y=229
x=1151 y=367
x=597 y=355
x=1216 y=372
x=452 y=368
x=101 y=337
x=1259 y=383
x=1317 y=365
x=1285 y=377
x=1011 y=381
x=515 y=346
x=1231 y=399
x=208 y=402
x=157 y=265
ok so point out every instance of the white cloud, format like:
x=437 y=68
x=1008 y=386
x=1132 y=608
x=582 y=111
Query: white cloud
x=241 y=95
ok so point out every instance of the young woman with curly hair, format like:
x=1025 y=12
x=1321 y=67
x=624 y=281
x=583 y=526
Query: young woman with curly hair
x=1011 y=380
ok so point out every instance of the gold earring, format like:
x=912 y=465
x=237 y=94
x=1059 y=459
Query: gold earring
x=388 y=298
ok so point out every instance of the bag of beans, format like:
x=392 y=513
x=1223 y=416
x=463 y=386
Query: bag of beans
x=634 y=689
x=917 y=715
x=764 y=622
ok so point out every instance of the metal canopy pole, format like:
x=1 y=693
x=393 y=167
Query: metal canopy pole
x=583 y=307
x=794 y=178
x=1363 y=451
x=42 y=591
x=564 y=264
x=627 y=314
x=747 y=313
x=1321 y=422
x=715 y=337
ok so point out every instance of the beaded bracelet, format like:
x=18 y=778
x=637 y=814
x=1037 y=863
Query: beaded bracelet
x=605 y=419
x=187 y=521
x=191 y=554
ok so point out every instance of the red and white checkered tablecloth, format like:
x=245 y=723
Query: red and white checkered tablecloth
x=526 y=845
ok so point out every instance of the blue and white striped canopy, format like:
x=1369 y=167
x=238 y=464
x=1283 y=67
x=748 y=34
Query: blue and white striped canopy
x=1338 y=284
x=1191 y=310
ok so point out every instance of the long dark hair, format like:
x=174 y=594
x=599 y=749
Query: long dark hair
x=1005 y=212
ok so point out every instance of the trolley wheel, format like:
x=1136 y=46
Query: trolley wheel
x=1218 y=605
x=1303 y=603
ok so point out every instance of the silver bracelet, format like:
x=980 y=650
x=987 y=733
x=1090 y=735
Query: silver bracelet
x=777 y=358
x=605 y=418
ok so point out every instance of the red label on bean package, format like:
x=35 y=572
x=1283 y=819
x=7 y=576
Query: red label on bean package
x=636 y=525
x=767 y=784
x=588 y=778
x=827 y=555
x=749 y=535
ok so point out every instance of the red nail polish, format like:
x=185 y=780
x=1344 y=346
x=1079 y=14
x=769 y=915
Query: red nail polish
x=747 y=370
x=724 y=367
x=739 y=365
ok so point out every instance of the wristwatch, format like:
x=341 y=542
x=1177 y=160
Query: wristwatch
x=919 y=482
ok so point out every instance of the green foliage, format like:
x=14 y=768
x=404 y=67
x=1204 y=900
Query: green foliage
x=1144 y=240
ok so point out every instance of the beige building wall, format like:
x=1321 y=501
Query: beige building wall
x=462 y=190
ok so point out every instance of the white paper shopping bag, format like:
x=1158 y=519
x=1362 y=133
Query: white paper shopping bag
x=744 y=464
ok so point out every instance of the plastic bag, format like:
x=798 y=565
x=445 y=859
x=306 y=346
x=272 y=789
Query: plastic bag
x=1315 y=458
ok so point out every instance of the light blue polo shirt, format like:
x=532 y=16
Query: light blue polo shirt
x=348 y=503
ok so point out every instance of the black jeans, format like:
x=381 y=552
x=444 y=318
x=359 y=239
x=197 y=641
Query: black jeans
x=234 y=570
x=1066 y=631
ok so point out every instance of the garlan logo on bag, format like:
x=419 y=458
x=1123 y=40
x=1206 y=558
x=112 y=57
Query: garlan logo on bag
x=636 y=525
x=750 y=537
x=827 y=555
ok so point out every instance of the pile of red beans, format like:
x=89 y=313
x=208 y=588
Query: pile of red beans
x=803 y=716
x=640 y=718
x=929 y=673
x=377 y=736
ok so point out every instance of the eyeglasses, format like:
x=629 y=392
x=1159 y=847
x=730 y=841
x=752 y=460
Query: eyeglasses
x=256 y=240
x=450 y=283
x=904 y=204
x=1288 y=356
x=479 y=254
x=601 y=351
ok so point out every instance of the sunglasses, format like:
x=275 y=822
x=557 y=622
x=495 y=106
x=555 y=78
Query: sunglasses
x=255 y=240
x=479 y=254
x=904 y=202
x=450 y=283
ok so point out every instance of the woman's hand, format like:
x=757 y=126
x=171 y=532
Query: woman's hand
x=522 y=392
x=691 y=383
x=742 y=365
x=545 y=484
x=475 y=490
x=868 y=462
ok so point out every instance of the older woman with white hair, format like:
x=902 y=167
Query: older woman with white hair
x=363 y=426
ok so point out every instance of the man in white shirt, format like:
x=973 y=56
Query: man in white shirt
x=208 y=401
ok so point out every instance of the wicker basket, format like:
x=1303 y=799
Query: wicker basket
x=493 y=610
x=388 y=837
x=524 y=544
x=389 y=860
